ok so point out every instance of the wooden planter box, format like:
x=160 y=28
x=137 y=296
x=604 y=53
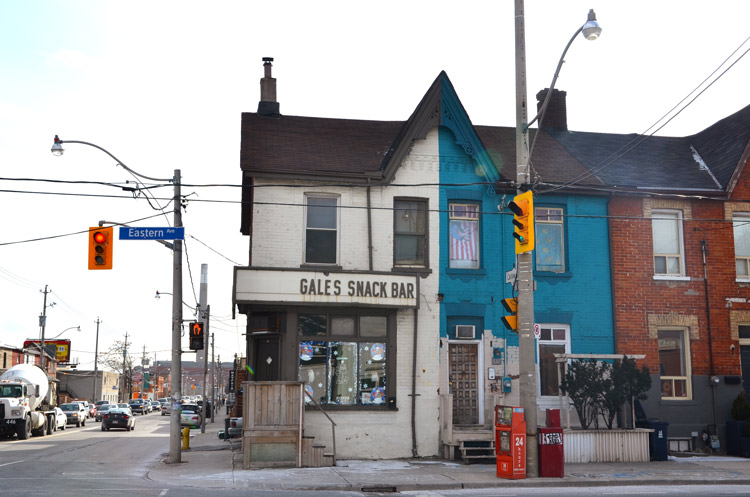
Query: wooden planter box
x=584 y=446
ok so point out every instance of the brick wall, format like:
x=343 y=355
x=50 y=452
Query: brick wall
x=643 y=304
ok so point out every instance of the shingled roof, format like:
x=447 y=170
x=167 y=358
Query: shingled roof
x=360 y=150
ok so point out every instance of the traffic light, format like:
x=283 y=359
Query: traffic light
x=523 y=221
x=196 y=336
x=511 y=322
x=100 y=247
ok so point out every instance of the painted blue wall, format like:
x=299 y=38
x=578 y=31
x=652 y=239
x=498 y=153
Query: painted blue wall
x=580 y=297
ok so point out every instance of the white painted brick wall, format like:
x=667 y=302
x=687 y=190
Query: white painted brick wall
x=362 y=434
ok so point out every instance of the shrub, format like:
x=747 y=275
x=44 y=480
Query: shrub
x=741 y=408
x=600 y=388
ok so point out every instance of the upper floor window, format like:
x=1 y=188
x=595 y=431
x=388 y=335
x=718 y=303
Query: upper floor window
x=410 y=232
x=674 y=364
x=549 y=239
x=464 y=236
x=668 y=243
x=741 y=224
x=321 y=229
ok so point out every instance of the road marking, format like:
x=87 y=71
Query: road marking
x=9 y=463
x=164 y=492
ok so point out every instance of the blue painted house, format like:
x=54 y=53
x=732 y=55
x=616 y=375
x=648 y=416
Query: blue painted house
x=573 y=297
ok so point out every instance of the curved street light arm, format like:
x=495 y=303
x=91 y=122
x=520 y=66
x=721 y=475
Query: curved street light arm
x=60 y=142
x=543 y=108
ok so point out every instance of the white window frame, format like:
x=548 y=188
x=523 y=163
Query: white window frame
x=668 y=214
x=550 y=401
x=688 y=368
x=740 y=217
x=337 y=229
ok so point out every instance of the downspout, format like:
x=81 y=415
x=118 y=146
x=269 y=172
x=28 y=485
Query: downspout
x=708 y=324
x=414 y=452
x=369 y=225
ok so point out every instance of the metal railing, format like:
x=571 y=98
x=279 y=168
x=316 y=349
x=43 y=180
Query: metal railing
x=333 y=424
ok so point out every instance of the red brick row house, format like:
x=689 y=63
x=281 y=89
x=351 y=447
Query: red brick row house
x=679 y=218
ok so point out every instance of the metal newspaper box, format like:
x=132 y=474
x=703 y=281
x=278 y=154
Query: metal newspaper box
x=510 y=442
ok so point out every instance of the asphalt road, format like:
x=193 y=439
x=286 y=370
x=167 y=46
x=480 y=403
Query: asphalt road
x=86 y=461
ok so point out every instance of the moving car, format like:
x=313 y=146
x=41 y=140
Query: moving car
x=166 y=408
x=92 y=411
x=155 y=406
x=118 y=418
x=102 y=409
x=85 y=404
x=75 y=413
x=61 y=419
x=137 y=406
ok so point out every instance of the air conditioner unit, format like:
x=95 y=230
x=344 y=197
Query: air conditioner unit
x=465 y=331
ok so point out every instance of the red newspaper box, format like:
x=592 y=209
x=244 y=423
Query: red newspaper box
x=551 y=448
x=510 y=442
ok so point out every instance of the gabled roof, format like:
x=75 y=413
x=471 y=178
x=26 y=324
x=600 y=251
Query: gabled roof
x=354 y=150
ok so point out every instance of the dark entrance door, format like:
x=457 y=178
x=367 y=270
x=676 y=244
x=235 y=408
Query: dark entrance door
x=464 y=383
x=266 y=360
x=745 y=358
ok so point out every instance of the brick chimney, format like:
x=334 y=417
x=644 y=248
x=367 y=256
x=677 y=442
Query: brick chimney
x=268 y=105
x=556 y=116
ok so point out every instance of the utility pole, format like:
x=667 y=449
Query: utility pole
x=43 y=325
x=213 y=379
x=205 y=367
x=124 y=365
x=96 y=357
x=175 y=437
x=524 y=261
x=143 y=372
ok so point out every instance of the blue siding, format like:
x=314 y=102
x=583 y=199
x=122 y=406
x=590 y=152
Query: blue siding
x=580 y=297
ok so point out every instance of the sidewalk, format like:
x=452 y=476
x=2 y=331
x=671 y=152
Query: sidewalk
x=212 y=462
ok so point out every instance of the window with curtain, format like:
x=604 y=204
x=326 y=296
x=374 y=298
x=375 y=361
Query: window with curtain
x=463 y=236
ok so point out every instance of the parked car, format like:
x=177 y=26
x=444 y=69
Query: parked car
x=85 y=404
x=190 y=416
x=155 y=406
x=61 y=419
x=235 y=427
x=208 y=406
x=75 y=413
x=118 y=418
x=138 y=406
x=102 y=409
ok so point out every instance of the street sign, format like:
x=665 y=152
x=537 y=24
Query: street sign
x=537 y=330
x=131 y=233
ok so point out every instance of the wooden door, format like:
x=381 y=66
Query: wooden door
x=266 y=358
x=464 y=383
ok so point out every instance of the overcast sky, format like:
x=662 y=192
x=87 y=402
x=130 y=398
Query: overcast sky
x=162 y=85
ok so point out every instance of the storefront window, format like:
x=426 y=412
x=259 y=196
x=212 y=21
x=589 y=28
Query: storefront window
x=338 y=372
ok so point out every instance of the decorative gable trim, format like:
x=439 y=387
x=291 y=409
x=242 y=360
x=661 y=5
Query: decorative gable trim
x=657 y=321
x=439 y=107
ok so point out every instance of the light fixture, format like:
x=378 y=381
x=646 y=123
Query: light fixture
x=591 y=30
x=57 y=149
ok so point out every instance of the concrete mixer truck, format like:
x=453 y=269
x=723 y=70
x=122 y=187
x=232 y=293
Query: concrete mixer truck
x=28 y=398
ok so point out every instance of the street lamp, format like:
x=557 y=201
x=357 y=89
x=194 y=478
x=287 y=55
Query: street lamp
x=524 y=264
x=174 y=425
x=77 y=328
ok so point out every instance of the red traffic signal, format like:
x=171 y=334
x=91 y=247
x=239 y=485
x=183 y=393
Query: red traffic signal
x=100 y=247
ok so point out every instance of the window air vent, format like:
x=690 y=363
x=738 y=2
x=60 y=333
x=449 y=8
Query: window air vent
x=465 y=331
